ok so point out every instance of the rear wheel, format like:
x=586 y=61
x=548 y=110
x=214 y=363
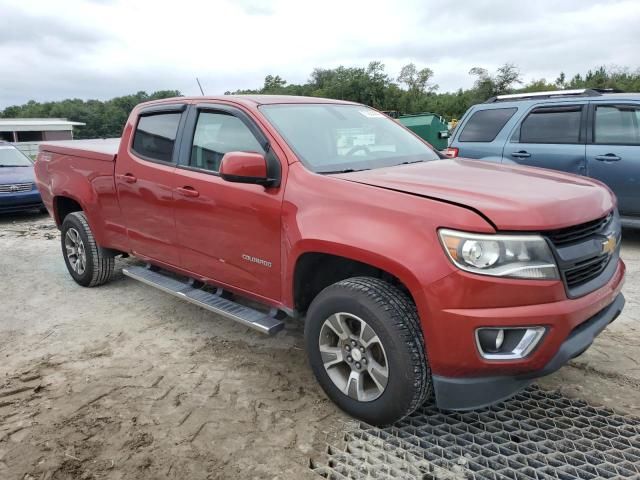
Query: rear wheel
x=366 y=349
x=88 y=265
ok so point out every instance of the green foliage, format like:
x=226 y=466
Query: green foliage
x=103 y=118
x=412 y=92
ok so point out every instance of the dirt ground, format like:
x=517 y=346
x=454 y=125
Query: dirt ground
x=127 y=382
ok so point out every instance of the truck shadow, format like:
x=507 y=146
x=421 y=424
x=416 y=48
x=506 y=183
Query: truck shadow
x=28 y=216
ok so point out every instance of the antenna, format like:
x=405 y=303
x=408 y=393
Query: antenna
x=201 y=91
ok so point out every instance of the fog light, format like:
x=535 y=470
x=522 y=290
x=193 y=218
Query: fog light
x=491 y=339
x=507 y=343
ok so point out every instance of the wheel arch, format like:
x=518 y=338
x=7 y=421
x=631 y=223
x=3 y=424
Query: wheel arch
x=63 y=205
x=325 y=264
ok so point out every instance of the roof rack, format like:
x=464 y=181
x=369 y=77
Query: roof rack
x=580 y=92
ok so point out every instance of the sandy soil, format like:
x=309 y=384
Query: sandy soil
x=124 y=381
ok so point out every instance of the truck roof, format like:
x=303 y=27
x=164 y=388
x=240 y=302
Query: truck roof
x=252 y=100
x=107 y=149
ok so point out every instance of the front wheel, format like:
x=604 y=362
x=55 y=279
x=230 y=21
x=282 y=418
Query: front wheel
x=87 y=263
x=366 y=349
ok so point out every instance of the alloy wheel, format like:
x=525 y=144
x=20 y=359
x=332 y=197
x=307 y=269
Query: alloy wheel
x=75 y=250
x=354 y=357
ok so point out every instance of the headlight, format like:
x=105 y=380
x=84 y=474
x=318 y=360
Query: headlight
x=517 y=256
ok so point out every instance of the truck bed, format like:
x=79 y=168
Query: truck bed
x=104 y=149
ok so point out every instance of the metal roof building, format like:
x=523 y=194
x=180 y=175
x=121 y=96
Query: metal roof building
x=36 y=129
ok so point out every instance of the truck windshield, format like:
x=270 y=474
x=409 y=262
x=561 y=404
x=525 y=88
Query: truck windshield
x=330 y=138
x=12 y=157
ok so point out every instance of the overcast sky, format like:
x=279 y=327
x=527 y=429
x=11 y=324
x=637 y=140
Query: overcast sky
x=51 y=50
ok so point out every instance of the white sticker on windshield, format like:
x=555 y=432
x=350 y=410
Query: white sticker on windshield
x=371 y=113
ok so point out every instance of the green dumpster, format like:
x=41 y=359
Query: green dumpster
x=428 y=126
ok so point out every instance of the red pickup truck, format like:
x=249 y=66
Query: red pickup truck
x=416 y=276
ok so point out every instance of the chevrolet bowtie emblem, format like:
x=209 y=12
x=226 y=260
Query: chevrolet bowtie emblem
x=609 y=245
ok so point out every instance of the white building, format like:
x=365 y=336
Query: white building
x=27 y=132
x=36 y=129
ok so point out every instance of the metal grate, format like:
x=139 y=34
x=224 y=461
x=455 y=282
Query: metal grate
x=535 y=435
x=16 y=187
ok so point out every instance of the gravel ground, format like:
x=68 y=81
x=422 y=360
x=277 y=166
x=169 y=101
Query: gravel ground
x=124 y=381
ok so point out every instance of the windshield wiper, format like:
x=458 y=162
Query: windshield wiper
x=346 y=170
x=407 y=163
x=11 y=166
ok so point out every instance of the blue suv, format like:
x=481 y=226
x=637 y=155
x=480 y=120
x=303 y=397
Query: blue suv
x=590 y=132
x=17 y=181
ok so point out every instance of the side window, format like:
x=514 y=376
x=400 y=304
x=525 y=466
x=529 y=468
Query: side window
x=617 y=125
x=552 y=125
x=217 y=134
x=484 y=125
x=155 y=136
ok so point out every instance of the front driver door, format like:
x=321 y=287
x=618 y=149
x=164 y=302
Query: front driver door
x=228 y=232
x=613 y=152
x=550 y=137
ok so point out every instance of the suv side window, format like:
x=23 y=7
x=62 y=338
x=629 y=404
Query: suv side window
x=484 y=125
x=552 y=125
x=217 y=133
x=617 y=125
x=155 y=136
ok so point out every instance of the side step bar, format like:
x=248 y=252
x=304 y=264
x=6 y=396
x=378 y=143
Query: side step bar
x=213 y=302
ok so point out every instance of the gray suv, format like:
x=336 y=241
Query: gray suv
x=591 y=132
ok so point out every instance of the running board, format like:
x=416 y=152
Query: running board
x=213 y=302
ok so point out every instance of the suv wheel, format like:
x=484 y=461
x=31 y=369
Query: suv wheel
x=87 y=263
x=366 y=349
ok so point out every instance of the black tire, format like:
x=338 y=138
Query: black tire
x=98 y=267
x=394 y=318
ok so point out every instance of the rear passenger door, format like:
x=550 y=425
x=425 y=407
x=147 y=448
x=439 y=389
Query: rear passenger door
x=550 y=136
x=144 y=181
x=613 y=151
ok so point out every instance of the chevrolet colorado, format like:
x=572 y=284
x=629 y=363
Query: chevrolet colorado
x=419 y=278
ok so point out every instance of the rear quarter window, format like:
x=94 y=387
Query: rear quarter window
x=484 y=125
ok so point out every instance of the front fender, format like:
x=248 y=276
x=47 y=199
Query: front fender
x=389 y=230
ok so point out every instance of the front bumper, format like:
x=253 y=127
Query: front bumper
x=469 y=393
x=18 y=202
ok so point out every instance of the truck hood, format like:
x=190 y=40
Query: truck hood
x=510 y=197
x=10 y=175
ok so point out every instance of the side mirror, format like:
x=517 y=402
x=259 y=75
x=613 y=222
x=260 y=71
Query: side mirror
x=245 y=167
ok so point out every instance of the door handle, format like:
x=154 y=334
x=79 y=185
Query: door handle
x=127 y=177
x=521 y=154
x=188 y=191
x=609 y=157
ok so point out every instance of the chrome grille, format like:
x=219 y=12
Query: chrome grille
x=16 y=187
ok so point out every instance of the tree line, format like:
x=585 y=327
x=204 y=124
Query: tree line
x=104 y=119
x=412 y=91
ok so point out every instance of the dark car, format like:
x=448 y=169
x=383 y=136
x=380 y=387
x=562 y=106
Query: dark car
x=594 y=133
x=17 y=188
